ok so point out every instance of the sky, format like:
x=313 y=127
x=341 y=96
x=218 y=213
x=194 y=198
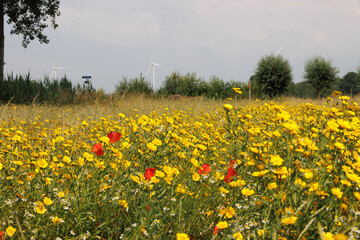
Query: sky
x=112 y=39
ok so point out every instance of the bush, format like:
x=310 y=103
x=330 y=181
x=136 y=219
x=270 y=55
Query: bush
x=137 y=85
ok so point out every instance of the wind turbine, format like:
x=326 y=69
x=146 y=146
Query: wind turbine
x=54 y=72
x=277 y=53
x=152 y=66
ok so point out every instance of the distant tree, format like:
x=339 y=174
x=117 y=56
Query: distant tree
x=303 y=90
x=321 y=75
x=273 y=75
x=137 y=85
x=350 y=83
x=185 y=85
x=171 y=85
x=29 y=18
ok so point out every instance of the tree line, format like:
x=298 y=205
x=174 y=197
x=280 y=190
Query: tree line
x=273 y=77
x=24 y=90
x=188 y=85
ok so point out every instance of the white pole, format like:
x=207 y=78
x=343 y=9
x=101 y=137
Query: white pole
x=153 y=77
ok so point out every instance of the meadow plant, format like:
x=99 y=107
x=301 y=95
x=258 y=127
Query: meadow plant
x=265 y=170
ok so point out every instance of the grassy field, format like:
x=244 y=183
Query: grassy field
x=140 y=168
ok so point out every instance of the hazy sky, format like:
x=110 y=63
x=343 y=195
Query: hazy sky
x=114 y=38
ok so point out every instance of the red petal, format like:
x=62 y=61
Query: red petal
x=98 y=149
x=205 y=169
x=114 y=136
x=149 y=173
x=216 y=229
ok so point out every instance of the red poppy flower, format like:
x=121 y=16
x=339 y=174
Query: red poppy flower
x=231 y=173
x=216 y=229
x=149 y=173
x=232 y=163
x=1 y=234
x=98 y=149
x=205 y=169
x=114 y=136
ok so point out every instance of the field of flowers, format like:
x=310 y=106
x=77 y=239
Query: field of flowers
x=265 y=170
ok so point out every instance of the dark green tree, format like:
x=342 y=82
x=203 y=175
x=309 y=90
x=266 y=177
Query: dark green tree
x=350 y=83
x=28 y=18
x=273 y=75
x=137 y=85
x=303 y=90
x=321 y=75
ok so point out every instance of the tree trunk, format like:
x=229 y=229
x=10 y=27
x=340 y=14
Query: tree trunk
x=2 y=40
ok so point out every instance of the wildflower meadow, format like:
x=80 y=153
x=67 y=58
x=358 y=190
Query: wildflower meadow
x=235 y=170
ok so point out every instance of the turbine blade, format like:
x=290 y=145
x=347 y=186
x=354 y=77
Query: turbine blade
x=277 y=53
x=147 y=72
x=155 y=64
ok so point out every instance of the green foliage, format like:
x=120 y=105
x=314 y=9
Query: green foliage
x=303 y=90
x=350 y=83
x=321 y=75
x=219 y=89
x=29 y=18
x=24 y=90
x=135 y=85
x=190 y=85
x=185 y=85
x=273 y=75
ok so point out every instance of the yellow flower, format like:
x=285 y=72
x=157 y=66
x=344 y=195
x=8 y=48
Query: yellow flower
x=289 y=220
x=272 y=185
x=260 y=173
x=42 y=163
x=339 y=146
x=308 y=173
x=346 y=182
x=182 y=236
x=61 y=194
x=88 y=156
x=328 y=236
x=124 y=203
x=180 y=188
x=291 y=127
x=57 y=220
x=81 y=161
x=228 y=106
x=222 y=225
x=276 y=160
x=340 y=236
x=40 y=208
x=337 y=192
x=223 y=190
x=67 y=159
x=105 y=139
x=151 y=146
x=357 y=195
x=247 y=192
x=230 y=212
x=19 y=163
x=238 y=236
x=195 y=176
x=10 y=231
x=1 y=166
x=353 y=177
x=47 y=201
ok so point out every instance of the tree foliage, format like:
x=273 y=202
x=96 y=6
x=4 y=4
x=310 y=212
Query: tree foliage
x=135 y=85
x=321 y=75
x=273 y=75
x=350 y=83
x=185 y=85
x=28 y=18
